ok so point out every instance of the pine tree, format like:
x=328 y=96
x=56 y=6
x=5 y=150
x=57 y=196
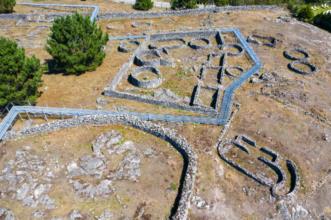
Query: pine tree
x=76 y=44
x=20 y=76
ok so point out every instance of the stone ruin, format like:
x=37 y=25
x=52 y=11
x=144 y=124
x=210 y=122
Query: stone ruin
x=278 y=186
x=93 y=164
x=302 y=60
x=260 y=40
x=149 y=56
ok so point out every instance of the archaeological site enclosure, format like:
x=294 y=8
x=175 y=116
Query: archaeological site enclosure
x=206 y=113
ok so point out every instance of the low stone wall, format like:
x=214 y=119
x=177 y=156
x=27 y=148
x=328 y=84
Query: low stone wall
x=195 y=45
x=272 y=42
x=148 y=84
x=304 y=60
x=274 y=164
x=125 y=15
x=182 y=203
x=221 y=116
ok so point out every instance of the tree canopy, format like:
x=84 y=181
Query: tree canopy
x=76 y=44
x=20 y=76
x=7 y=6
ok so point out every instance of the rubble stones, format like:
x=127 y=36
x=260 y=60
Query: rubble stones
x=6 y=214
x=105 y=215
x=27 y=178
x=101 y=101
x=129 y=168
x=75 y=215
x=94 y=165
x=200 y=203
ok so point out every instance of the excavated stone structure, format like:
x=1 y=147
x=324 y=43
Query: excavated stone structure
x=244 y=143
x=150 y=55
x=182 y=203
x=302 y=60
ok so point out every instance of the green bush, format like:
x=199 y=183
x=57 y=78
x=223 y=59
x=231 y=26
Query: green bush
x=204 y=2
x=143 y=5
x=6 y=6
x=76 y=44
x=221 y=2
x=20 y=76
x=323 y=21
x=316 y=1
x=305 y=13
x=183 y=4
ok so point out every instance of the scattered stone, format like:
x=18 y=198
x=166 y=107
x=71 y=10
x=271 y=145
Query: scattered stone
x=149 y=152
x=28 y=179
x=283 y=19
x=38 y=214
x=325 y=137
x=104 y=146
x=134 y=24
x=101 y=101
x=106 y=215
x=6 y=214
x=254 y=80
x=106 y=140
x=200 y=203
x=75 y=215
x=129 y=168
x=92 y=165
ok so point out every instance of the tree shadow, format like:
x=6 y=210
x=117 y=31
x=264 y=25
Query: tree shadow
x=53 y=68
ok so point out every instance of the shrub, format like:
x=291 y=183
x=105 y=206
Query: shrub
x=20 y=76
x=76 y=44
x=144 y=5
x=204 y=2
x=323 y=21
x=305 y=13
x=316 y=1
x=221 y=2
x=6 y=6
x=183 y=4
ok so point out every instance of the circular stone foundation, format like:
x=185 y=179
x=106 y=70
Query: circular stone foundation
x=234 y=71
x=303 y=54
x=151 y=58
x=199 y=43
x=294 y=67
x=146 y=83
x=229 y=47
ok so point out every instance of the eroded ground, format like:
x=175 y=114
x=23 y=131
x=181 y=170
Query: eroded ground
x=288 y=112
